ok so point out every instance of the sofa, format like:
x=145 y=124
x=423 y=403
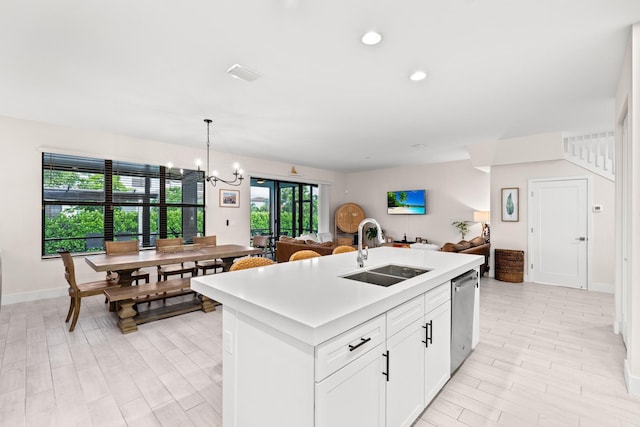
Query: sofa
x=287 y=246
x=475 y=246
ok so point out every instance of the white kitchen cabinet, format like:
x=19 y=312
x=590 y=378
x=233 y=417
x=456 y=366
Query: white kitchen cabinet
x=437 y=350
x=355 y=394
x=405 y=382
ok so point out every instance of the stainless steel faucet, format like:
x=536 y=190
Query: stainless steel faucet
x=362 y=256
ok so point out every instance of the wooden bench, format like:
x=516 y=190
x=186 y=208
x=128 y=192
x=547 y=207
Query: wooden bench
x=126 y=297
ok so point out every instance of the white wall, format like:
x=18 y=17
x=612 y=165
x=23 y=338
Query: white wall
x=533 y=148
x=25 y=275
x=628 y=102
x=454 y=191
x=513 y=235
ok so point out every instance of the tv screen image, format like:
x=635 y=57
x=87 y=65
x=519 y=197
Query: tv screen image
x=409 y=202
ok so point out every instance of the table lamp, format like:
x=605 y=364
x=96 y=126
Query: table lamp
x=483 y=217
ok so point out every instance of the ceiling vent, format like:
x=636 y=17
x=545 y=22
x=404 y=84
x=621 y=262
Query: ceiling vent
x=242 y=73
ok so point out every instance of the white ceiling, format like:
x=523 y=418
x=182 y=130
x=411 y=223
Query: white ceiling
x=153 y=69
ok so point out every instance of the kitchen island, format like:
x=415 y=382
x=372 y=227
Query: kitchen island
x=304 y=346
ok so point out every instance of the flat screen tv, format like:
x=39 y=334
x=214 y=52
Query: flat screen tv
x=409 y=202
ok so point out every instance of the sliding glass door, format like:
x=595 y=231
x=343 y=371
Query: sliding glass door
x=283 y=208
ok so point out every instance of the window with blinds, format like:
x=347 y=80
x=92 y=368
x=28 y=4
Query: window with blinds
x=86 y=201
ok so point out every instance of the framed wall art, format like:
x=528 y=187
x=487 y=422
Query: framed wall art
x=229 y=198
x=510 y=202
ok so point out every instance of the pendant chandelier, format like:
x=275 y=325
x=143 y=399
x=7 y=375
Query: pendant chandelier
x=213 y=178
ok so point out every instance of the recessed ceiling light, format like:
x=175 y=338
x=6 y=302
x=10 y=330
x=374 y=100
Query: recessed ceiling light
x=371 y=38
x=418 y=75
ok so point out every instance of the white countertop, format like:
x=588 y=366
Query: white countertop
x=310 y=301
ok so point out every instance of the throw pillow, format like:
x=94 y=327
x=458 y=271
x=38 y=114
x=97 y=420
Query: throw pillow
x=308 y=236
x=462 y=245
x=477 y=241
x=448 y=247
x=325 y=237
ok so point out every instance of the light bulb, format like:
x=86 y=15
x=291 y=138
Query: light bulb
x=418 y=75
x=371 y=38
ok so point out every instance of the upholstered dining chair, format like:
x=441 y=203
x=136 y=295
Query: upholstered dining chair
x=213 y=264
x=165 y=271
x=77 y=291
x=125 y=247
x=250 y=262
x=342 y=249
x=264 y=243
x=305 y=254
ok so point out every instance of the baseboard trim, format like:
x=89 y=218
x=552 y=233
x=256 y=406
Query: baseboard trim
x=608 y=288
x=34 y=296
x=633 y=382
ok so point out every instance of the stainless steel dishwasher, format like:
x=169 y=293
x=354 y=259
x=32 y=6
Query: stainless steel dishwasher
x=463 y=292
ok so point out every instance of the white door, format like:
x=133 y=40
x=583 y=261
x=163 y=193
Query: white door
x=558 y=229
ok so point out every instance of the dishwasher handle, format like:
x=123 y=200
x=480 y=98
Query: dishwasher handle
x=465 y=281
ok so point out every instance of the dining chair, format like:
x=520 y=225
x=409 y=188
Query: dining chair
x=165 y=271
x=342 y=249
x=305 y=254
x=264 y=243
x=125 y=247
x=77 y=291
x=250 y=262
x=213 y=264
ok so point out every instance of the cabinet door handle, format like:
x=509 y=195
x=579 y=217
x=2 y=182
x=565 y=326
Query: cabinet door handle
x=428 y=333
x=362 y=342
x=386 y=355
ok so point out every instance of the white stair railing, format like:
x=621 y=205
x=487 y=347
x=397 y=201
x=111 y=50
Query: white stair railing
x=595 y=152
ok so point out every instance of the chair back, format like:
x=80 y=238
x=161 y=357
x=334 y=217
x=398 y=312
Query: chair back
x=342 y=249
x=305 y=254
x=260 y=241
x=205 y=240
x=69 y=270
x=121 y=247
x=177 y=241
x=250 y=262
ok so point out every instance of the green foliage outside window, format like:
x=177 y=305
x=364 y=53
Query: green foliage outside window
x=74 y=217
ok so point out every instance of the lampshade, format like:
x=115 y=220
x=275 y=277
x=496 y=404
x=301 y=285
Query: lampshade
x=481 y=216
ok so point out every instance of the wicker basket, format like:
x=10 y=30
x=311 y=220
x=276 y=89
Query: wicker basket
x=509 y=265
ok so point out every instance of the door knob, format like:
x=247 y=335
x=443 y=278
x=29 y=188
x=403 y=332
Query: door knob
x=582 y=239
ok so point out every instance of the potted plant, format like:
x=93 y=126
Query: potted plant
x=462 y=226
x=372 y=234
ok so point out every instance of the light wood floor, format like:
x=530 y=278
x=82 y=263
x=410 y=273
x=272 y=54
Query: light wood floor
x=547 y=356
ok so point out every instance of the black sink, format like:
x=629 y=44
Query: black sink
x=374 y=278
x=400 y=270
x=387 y=275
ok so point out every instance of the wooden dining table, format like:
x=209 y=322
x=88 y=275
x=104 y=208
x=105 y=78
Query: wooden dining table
x=126 y=264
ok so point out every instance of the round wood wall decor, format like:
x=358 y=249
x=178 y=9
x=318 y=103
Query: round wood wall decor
x=348 y=217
